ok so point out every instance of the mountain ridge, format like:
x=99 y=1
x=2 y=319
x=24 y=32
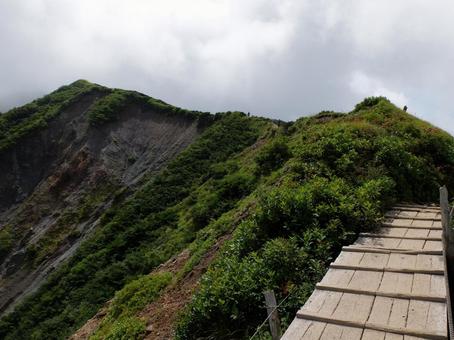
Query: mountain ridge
x=253 y=204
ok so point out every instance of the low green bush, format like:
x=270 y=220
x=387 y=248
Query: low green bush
x=107 y=108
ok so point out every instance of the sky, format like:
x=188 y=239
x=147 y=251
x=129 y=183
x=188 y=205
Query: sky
x=276 y=58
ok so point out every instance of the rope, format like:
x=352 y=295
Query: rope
x=269 y=315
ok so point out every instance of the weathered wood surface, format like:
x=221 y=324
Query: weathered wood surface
x=389 y=284
x=271 y=308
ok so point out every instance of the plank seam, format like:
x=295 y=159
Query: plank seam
x=394 y=217
x=406 y=296
x=360 y=249
x=372 y=235
x=389 y=225
x=388 y=269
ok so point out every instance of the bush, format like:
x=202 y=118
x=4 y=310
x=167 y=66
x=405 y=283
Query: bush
x=107 y=108
x=272 y=156
x=138 y=293
x=127 y=328
x=369 y=102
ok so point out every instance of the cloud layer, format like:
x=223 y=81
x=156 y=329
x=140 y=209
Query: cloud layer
x=279 y=58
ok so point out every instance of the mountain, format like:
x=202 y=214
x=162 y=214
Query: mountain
x=124 y=217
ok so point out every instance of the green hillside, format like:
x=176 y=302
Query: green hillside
x=288 y=195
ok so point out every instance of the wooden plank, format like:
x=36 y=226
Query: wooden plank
x=399 y=260
x=388 y=269
x=415 y=217
x=426 y=261
x=381 y=310
x=337 y=332
x=389 y=251
x=393 y=282
x=421 y=283
x=423 y=238
x=433 y=245
x=353 y=307
x=390 y=231
x=392 y=336
x=322 y=302
x=400 y=222
x=374 y=260
x=411 y=244
x=417 y=207
x=372 y=326
x=315 y=301
x=297 y=329
x=398 y=316
x=378 y=242
x=338 y=277
x=349 y=258
x=437 y=285
x=435 y=233
x=422 y=224
x=428 y=215
x=406 y=213
x=314 y=331
x=437 y=224
x=393 y=295
x=422 y=316
x=416 y=226
x=437 y=317
x=362 y=278
x=421 y=234
x=370 y=334
x=407 y=337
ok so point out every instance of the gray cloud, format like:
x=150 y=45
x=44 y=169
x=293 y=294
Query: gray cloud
x=279 y=58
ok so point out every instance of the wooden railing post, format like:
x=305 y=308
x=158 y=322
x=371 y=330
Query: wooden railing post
x=448 y=254
x=271 y=308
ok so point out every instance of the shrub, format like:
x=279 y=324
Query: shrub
x=272 y=156
x=138 y=293
x=126 y=328
x=369 y=102
x=107 y=108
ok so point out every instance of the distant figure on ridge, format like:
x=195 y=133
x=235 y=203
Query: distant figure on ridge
x=405 y=108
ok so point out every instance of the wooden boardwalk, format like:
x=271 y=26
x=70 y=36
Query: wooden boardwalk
x=387 y=285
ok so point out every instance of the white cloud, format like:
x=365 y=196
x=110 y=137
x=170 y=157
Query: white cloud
x=282 y=58
x=365 y=85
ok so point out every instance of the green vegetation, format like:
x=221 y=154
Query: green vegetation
x=344 y=172
x=134 y=237
x=65 y=229
x=107 y=108
x=290 y=196
x=20 y=122
x=6 y=241
x=130 y=299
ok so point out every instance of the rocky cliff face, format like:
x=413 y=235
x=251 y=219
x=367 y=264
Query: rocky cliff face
x=56 y=183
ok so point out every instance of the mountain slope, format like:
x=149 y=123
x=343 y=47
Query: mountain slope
x=122 y=143
x=256 y=204
x=60 y=169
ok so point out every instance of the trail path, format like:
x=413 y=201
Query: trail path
x=387 y=285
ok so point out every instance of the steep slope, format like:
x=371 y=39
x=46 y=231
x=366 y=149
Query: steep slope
x=130 y=141
x=61 y=166
x=256 y=204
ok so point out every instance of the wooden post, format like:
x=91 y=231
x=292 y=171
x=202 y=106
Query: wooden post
x=448 y=254
x=275 y=324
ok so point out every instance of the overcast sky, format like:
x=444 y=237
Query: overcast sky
x=277 y=58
